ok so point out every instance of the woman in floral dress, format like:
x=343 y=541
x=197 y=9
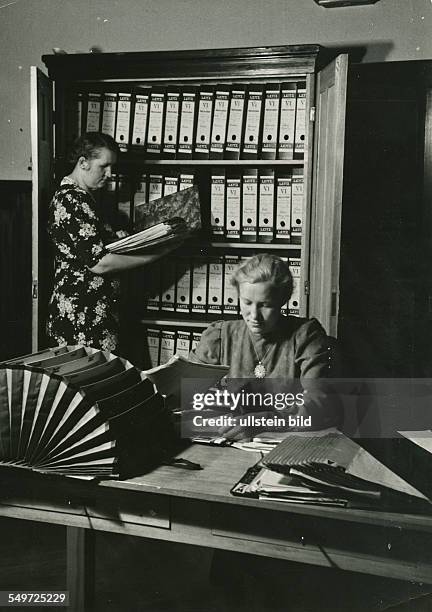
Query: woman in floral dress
x=84 y=304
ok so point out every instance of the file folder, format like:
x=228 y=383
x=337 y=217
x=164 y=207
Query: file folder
x=93 y=112
x=155 y=187
x=188 y=116
x=294 y=302
x=172 y=114
x=154 y=290
x=287 y=121
x=219 y=125
x=109 y=114
x=300 y=128
x=167 y=345
x=170 y=184
x=297 y=204
x=270 y=121
x=155 y=121
x=199 y=284
x=184 y=284
x=168 y=285
x=283 y=206
x=235 y=122
x=253 y=126
x=153 y=346
x=123 y=120
x=230 y=295
x=204 y=122
x=217 y=204
x=249 y=205
x=215 y=271
x=266 y=204
x=183 y=341
x=140 y=118
x=233 y=207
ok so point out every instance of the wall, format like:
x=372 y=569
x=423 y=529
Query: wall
x=391 y=29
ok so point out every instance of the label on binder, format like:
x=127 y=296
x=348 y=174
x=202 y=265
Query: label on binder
x=217 y=205
x=109 y=114
x=183 y=342
x=199 y=285
x=186 y=180
x=153 y=345
x=250 y=204
x=300 y=128
x=187 y=119
x=297 y=197
x=253 y=123
x=139 y=129
x=220 y=117
x=215 y=285
x=266 y=205
x=183 y=272
x=287 y=121
x=167 y=345
x=123 y=119
x=155 y=187
x=230 y=295
x=196 y=337
x=270 y=121
x=294 y=301
x=93 y=112
x=233 y=208
x=168 y=285
x=172 y=113
x=284 y=307
x=156 y=113
x=283 y=207
x=170 y=184
x=205 y=113
x=235 y=123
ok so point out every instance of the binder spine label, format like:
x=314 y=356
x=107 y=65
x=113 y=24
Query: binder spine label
x=230 y=296
x=187 y=123
x=294 y=301
x=169 y=285
x=253 y=120
x=235 y=122
x=167 y=345
x=154 y=135
x=183 y=290
x=186 y=181
x=205 y=109
x=217 y=205
x=266 y=208
x=140 y=120
x=123 y=120
x=183 y=344
x=300 y=128
x=287 y=123
x=93 y=112
x=196 y=337
x=271 y=120
x=155 y=187
x=109 y=114
x=170 y=185
x=153 y=344
x=219 y=122
x=199 y=287
x=250 y=207
x=233 y=207
x=297 y=208
x=171 y=122
x=215 y=287
x=283 y=208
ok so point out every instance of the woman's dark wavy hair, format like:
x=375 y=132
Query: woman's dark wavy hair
x=88 y=144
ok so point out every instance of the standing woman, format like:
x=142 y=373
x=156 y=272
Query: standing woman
x=83 y=308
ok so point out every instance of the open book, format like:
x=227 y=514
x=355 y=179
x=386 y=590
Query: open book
x=166 y=219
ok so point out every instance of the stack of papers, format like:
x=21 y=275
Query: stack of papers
x=157 y=234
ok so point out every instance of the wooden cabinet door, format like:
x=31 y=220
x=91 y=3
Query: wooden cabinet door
x=41 y=101
x=327 y=193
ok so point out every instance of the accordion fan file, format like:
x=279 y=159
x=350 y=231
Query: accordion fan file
x=82 y=412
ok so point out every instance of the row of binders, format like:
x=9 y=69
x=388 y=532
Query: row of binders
x=223 y=121
x=162 y=344
x=201 y=284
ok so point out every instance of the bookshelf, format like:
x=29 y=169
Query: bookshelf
x=295 y=140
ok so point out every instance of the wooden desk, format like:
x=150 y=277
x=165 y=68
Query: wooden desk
x=195 y=507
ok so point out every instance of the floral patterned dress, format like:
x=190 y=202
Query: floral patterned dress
x=83 y=306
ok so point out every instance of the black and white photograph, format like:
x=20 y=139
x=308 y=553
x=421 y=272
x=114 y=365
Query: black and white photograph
x=216 y=305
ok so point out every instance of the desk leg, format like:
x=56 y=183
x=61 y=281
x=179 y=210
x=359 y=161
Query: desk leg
x=80 y=568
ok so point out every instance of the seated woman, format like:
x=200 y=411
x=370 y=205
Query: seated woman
x=266 y=344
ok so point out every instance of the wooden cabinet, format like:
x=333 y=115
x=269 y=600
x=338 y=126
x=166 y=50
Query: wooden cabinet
x=320 y=161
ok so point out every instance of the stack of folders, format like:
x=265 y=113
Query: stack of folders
x=80 y=412
x=168 y=218
x=328 y=470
